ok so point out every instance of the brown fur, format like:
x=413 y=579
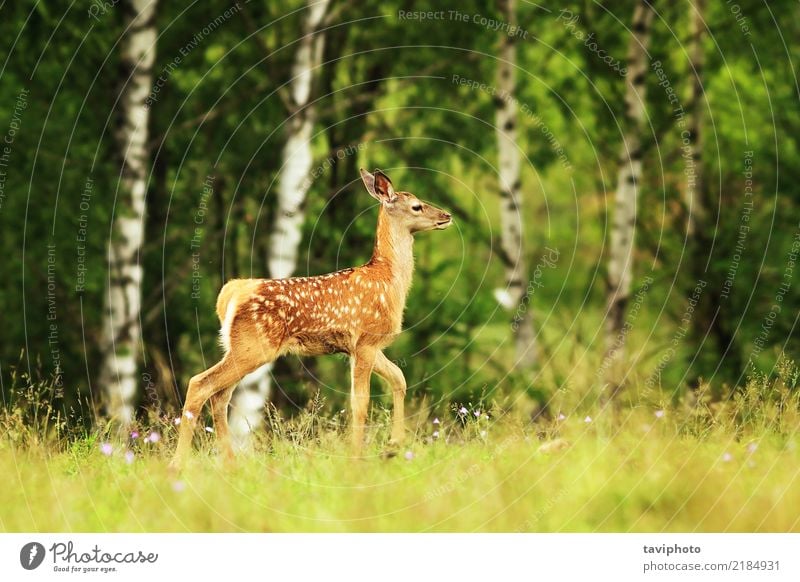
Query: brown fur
x=355 y=311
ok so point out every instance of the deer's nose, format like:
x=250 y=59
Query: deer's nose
x=446 y=215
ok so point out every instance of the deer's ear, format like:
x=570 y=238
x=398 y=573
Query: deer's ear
x=369 y=182
x=384 y=191
x=378 y=185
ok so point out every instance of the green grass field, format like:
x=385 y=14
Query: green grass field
x=716 y=466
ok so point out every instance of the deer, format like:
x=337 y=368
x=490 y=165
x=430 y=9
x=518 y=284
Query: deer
x=356 y=311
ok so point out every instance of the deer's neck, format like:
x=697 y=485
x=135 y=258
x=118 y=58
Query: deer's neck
x=394 y=253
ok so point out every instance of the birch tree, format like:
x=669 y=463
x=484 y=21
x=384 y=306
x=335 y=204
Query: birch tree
x=247 y=412
x=512 y=297
x=121 y=333
x=629 y=174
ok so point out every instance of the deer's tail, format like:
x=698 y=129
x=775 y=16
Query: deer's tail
x=228 y=300
x=225 y=295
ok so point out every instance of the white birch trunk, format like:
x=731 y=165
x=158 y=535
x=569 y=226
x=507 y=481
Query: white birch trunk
x=512 y=297
x=620 y=266
x=247 y=411
x=121 y=334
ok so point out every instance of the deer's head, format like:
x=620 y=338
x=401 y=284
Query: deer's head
x=403 y=208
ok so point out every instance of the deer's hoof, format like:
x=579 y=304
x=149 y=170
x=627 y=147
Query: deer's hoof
x=228 y=461
x=391 y=450
x=174 y=467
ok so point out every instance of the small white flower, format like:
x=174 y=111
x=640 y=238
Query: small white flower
x=561 y=416
x=129 y=456
x=436 y=434
x=462 y=411
x=659 y=413
x=188 y=415
x=587 y=420
x=409 y=455
x=106 y=449
x=209 y=429
x=177 y=421
x=435 y=421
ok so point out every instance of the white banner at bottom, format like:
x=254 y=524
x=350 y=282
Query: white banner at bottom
x=400 y=557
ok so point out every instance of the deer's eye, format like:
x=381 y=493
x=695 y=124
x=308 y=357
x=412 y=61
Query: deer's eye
x=416 y=207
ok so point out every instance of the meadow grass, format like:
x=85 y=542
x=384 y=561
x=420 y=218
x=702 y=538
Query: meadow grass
x=702 y=464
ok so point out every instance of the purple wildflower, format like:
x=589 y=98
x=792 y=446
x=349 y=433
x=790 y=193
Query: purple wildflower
x=106 y=449
x=134 y=434
x=129 y=456
x=409 y=455
x=153 y=437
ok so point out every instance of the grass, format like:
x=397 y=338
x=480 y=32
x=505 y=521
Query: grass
x=714 y=459
x=703 y=464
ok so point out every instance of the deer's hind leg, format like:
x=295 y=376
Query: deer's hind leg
x=217 y=383
x=219 y=411
x=227 y=372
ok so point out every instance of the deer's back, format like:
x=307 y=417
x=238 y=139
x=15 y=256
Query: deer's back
x=327 y=313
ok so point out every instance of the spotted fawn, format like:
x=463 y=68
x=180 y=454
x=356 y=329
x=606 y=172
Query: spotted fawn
x=357 y=311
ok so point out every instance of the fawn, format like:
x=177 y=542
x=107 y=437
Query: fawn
x=356 y=311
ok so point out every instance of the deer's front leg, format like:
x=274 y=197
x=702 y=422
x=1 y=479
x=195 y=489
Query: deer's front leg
x=361 y=365
x=390 y=372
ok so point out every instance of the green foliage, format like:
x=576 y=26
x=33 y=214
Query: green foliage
x=387 y=92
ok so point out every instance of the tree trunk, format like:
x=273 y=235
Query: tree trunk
x=121 y=331
x=620 y=266
x=513 y=296
x=247 y=412
x=158 y=379
x=694 y=193
x=710 y=314
x=694 y=199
